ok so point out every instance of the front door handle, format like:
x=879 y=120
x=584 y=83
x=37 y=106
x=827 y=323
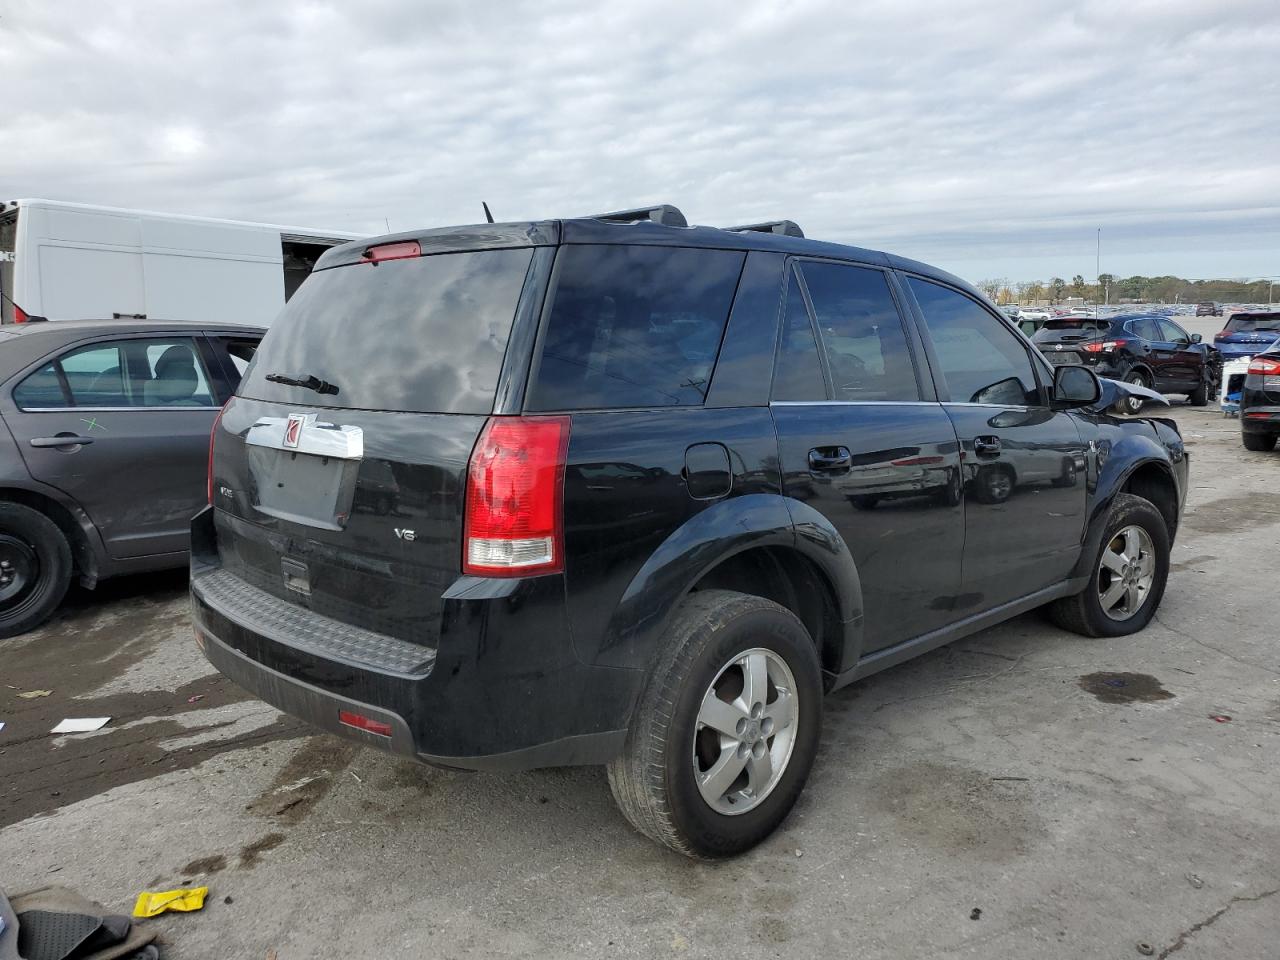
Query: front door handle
x=61 y=440
x=986 y=446
x=830 y=459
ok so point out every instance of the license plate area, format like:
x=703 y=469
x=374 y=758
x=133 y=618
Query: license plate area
x=302 y=487
x=1064 y=359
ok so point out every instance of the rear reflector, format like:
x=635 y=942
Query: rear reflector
x=394 y=251
x=514 y=525
x=360 y=722
x=19 y=315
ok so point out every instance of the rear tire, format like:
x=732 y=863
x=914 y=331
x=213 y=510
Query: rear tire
x=1262 y=442
x=35 y=568
x=665 y=780
x=1087 y=613
x=1199 y=397
x=1133 y=405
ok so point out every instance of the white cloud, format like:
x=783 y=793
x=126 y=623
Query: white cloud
x=976 y=135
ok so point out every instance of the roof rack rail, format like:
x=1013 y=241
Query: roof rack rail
x=785 y=228
x=663 y=213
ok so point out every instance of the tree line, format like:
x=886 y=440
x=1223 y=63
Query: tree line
x=1113 y=289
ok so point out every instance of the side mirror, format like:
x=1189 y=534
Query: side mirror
x=1075 y=387
x=1196 y=338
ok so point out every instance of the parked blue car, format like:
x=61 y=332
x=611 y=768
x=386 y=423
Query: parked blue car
x=1247 y=333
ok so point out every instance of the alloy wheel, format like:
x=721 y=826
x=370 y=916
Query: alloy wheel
x=745 y=731
x=1126 y=572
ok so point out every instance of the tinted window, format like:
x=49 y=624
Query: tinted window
x=1145 y=328
x=798 y=372
x=126 y=373
x=861 y=332
x=634 y=326
x=40 y=389
x=982 y=360
x=424 y=334
x=1246 y=323
x=1172 y=332
x=1053 y=329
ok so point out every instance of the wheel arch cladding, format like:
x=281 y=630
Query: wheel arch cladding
x=1153 y=481
x=82 y=552
x=765 y=544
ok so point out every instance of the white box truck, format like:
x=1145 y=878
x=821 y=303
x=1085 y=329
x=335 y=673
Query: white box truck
x=64 y=261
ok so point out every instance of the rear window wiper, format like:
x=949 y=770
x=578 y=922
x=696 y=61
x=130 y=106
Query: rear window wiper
x=310 y=382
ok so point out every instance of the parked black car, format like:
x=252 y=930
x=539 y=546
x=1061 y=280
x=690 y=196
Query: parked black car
x=102 y=459
x=1260 y=401
x=1150 y=351
x=1208 y=308
x=633 y=520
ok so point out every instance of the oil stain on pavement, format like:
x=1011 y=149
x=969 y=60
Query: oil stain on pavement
x=1124 y=687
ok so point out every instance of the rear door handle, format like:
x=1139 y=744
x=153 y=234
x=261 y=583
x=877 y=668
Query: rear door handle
x=61 y=440
x=986 y=446
x=830 y=459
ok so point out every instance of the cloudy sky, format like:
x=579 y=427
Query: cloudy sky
x=991 y=138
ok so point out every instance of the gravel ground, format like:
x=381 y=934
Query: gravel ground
x=994 y=798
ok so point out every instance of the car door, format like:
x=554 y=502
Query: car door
x=863 y=440
x=1160 y=354
x=1024 y=466
x=1185 y=358
x=122 y=426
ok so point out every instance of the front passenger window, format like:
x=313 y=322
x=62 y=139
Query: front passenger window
x=982 y=360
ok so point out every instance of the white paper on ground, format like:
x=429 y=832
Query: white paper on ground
x=82 y=725
x=1 y=726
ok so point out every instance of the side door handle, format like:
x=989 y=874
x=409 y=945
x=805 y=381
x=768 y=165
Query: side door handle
x=830 y=459
x=61 y=440
x=986 y=446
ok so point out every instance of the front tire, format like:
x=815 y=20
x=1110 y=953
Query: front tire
x=719 y=747
x=35 y=568
x=1130 y=571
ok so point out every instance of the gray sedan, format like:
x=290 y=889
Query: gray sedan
x=104 y=459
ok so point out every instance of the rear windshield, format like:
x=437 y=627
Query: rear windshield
x=1059 y=325
x=634 y=326
x=425 y=334
x=1244 y=323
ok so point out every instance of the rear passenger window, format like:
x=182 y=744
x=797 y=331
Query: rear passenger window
x=634 y=326
x=861 y=332
x=982 y=360
x=798 y=373
x=126 y=373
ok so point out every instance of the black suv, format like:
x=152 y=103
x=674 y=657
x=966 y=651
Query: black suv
x=597 y=491
x=1149 y=351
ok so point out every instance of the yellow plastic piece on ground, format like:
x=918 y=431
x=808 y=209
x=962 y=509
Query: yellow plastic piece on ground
x=152 y=904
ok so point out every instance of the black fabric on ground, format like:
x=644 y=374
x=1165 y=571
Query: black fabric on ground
x=52 y=934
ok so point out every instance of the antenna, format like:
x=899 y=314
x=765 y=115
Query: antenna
x=488 y=217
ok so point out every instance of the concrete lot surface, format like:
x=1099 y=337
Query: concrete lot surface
x=992 y=799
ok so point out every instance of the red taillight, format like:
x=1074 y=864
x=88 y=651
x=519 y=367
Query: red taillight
x=515 y=496
x=1103 y=347
x=1264 y=366
x=393 y=251
x=19 y=315
x=361 y=722
x=1221 y=334
x=212 y=434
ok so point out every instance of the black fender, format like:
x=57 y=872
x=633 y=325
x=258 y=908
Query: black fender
x=712 y=536
x=1121 y=449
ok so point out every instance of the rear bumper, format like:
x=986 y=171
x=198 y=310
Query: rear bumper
x=1259 y=418
x=502 y=691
